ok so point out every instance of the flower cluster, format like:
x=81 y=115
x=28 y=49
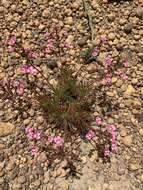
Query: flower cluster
x=34 y=151
x=111 y=129
x=32 y=135
x=98 y=121
x=95 y=52
x=107 y=62
x=11 y=43
x=103 y=39
x=28 y=69
x=90 y=135
x=50 y=46
x=122 y=75
x=30 y=53
x=56 y=140
x=19 y=85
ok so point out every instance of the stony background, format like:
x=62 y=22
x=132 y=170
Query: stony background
x=123 y=24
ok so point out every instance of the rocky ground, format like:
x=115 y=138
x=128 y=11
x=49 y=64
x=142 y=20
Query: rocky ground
x=122 y=23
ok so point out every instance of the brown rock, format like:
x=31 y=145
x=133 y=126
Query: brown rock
x=6 y=128
x=127 y=140
x=130 y=90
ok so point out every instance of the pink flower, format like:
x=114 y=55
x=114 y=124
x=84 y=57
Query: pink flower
x=50 y=139
x=98 y=121
x=11 y=49
x=34 y=151
x=124 y=76
x=32 y=55
x=24 y=69
x=107 y=152
x=58 y=141
x=111 y=128
x=12 y=41
x=114 y=147
x=33 y=71
x=37 y=136
x=66 y=45
x=104 y=39
x=47 y=34
x=126 y=64
x=30 y=135
x=107 y=62
x=28 y=130
x=20 y=88
x=95 y=52
x=90 y=135
x=108 y=78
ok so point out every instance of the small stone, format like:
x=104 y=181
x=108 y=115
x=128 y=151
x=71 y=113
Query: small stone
x=139 y=12
x=36 y=184
x=46 y=177
x=42 y=157
x=141 y=132
x=69 y=20
x=39 y=120
x=22 y=179
x=128 y=28
x=1 y=181
x=63 y=173
x=84 y=160
x=114 y=79
x=111 y=17
x=134 y=81
x=134 y=166
x=94 y=156
x=10 y=166
x=130 y=90
x=1 y=173
x=69 y=39
x=53 y=82
x=127 y=140
x=52 y=64
x=122 y=22
x=57 y=173
x=111 y=94
x=64 y=185
x=142 y=91
x=45 y=13
x=111 y=36
x=26 y=122
x=6 y=128
x=82 y=42
x=2 y=146
x=141 y=178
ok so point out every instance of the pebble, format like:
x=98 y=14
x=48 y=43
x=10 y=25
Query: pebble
x=6 y=128
x=46 y=177
x=111 y=36
x=130 y=90
x=139 y=12
x=134 y=166
x=127 y=140
x=141 y=132
x=45 y=13
x=128 y=28
x=26 y=121
x=2 y=146
x=69 y=20
x=21 y=179
x=64 y=185
x=39 y=119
